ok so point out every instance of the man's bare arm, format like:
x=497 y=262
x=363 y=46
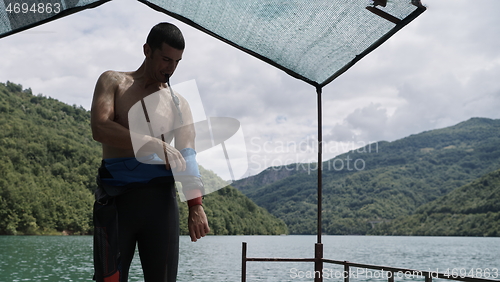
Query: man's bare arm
x=184 y=134
x=104 y=129
x=185 y=138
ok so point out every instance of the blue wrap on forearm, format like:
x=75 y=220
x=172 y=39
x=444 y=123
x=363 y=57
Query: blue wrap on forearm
x=192 y=169
x=192 y=185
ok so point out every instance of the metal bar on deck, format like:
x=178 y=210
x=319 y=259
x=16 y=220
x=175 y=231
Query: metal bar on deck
x=283 y=259
x=244 y=262
x=428 y=275
x=410 y=271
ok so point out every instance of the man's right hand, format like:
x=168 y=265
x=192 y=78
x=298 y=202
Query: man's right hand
x=173 y=158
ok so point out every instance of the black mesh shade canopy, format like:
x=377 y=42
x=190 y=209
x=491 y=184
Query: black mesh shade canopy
x=314 y=41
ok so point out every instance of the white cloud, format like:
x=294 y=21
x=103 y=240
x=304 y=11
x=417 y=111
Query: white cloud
x=363 y=123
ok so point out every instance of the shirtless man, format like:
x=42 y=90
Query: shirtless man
x=147 y=216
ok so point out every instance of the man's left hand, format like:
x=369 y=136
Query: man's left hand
x=197 y=223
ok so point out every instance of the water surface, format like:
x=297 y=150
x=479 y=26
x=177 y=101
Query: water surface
x=218 y=258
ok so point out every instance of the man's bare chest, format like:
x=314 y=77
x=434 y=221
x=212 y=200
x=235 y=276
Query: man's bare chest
x=156 y=105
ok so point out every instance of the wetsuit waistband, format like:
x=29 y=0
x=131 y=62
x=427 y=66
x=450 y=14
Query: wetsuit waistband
x=123 y=171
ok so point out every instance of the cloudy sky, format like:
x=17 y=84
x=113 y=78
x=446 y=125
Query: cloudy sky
x=440 y=70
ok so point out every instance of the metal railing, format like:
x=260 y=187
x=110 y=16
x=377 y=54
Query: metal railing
x=391 y=272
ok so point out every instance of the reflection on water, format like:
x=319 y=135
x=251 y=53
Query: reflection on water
x=218 y=258
x=45 y=258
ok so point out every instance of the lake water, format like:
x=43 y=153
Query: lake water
x=218 y=258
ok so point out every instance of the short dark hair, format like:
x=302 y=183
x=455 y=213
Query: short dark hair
x=165 y=33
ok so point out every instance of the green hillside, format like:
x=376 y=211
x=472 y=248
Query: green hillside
x=48 y=166
x=471 y=210
x=384 y=180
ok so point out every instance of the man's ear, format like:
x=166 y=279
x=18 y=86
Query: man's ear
x=147 y=50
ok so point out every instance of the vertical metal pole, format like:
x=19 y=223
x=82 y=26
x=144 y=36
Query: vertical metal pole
x=318 y=248
x=347 y=274
x=320 y=161
x=391 y=277
x=318 y=262
x=428 y=277
x=244 y=262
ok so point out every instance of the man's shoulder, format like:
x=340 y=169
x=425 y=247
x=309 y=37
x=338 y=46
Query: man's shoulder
x=114 y=77
x=112 y=82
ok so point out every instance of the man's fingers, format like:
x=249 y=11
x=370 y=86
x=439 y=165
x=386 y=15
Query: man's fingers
x=201 y=230
x=182 y=163
x=197 y=232
x=179 y=162
x=174 y=158
x=197 y=223
x=193 y=236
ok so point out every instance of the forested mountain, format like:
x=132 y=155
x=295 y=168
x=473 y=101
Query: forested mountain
x=424 y=184
x=471 y=210
x=48 y=163
x=379 y=182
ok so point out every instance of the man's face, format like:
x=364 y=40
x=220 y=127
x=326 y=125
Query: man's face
x=163 y=61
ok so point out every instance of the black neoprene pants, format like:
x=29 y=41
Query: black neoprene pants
x=149 y=217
